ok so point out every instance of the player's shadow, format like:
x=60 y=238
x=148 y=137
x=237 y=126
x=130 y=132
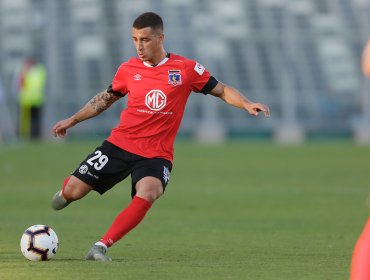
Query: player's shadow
x=74 y=259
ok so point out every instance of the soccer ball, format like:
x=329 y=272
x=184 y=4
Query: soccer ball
x=39 y=243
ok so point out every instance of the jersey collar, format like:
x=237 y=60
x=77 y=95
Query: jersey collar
x=163 y=61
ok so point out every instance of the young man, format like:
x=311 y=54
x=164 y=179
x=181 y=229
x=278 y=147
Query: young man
x=157 y=85
x=360 y=264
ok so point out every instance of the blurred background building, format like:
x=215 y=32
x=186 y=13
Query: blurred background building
x=301 y=57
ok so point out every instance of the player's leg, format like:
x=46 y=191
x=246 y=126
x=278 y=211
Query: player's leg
x=73 y=189
x=149 y=181
x=360 y=268
x=100 y=171
x=149 y=189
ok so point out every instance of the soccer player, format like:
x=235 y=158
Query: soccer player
x=360 y=264
x=157 y=85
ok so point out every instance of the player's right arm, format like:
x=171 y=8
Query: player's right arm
x=366 y=60
x=94 y=107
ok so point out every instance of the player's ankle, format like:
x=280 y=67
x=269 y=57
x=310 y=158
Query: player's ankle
x=63 y=196
x=106 y=243
x=58 y=202
x=100 y=243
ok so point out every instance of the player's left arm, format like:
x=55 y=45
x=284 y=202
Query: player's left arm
x=94 y=107
x=233 y=97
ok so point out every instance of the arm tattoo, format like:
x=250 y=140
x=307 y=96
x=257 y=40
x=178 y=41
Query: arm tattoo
x=102 y=101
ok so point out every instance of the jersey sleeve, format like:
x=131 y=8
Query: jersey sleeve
x=119 y=81
x=198 y=75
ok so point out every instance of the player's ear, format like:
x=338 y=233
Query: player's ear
x=161 y=36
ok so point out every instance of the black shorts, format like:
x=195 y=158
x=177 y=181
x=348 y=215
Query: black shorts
x=109 y=165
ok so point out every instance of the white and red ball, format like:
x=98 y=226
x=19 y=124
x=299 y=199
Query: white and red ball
x=39 y=243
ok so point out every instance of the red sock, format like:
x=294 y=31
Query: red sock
x=65 y=183
x=360 y=265
x=126 y=220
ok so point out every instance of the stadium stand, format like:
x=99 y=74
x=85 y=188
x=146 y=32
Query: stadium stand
x=301 y=56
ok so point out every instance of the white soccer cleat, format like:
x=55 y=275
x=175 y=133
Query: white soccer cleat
x=59 y=202
x=98 y=253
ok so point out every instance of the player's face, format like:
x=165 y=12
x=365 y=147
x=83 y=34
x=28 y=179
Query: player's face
x=148 y=44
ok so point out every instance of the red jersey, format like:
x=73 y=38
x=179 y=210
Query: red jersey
x=156 y=102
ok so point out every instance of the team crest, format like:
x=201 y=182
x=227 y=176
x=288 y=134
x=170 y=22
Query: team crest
x=174 y=77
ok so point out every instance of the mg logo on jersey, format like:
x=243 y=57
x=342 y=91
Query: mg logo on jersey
x=155 y=100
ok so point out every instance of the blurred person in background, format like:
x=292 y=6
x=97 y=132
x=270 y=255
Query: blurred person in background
x=31 y=96
x=360 y=263
x=366 y=60
x=157 y=85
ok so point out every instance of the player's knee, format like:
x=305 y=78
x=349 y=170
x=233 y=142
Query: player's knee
x=151 y=196
x=151 y=193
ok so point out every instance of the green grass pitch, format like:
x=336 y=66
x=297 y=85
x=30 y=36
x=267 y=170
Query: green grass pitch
x=243 y=210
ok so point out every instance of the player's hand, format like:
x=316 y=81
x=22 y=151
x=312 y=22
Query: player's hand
x=60 y=128
x=255 y=108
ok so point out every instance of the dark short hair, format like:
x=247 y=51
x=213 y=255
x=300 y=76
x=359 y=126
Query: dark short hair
x=148 y=19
